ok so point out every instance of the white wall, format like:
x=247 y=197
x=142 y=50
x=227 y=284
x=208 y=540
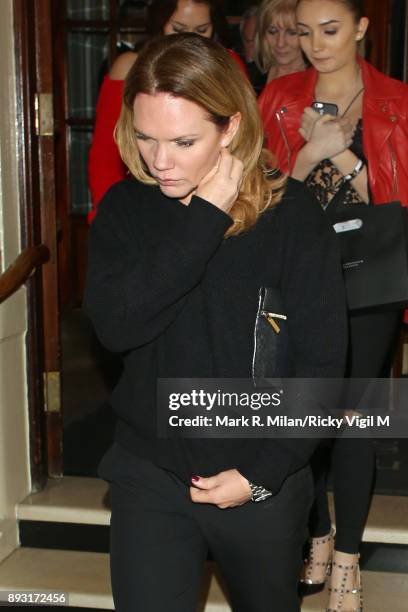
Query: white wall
x=14 y=456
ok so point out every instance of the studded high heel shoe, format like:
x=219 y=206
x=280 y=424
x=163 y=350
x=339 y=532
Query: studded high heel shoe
x=350 y=593
x=307 y=584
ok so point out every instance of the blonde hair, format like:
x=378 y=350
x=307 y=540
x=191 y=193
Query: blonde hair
x=202 y=71
x=269 y=9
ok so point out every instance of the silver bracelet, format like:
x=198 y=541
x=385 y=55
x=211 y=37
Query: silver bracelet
x=355 y=172
x=259 y=493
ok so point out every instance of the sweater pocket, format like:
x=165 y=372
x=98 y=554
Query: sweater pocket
x=271 y=357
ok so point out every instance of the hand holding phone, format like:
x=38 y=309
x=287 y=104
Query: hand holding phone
x=326 y=136
x=326 y=108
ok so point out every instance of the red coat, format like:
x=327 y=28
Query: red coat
x=105 y=166
x=385 y=126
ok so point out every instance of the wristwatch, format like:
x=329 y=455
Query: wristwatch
x=355 y=172
x=259 y=493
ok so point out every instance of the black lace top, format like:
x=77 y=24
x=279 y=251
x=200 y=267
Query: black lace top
x=325 y=180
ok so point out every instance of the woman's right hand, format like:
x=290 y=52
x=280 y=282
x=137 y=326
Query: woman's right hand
x=222 y=184
x=326 y=136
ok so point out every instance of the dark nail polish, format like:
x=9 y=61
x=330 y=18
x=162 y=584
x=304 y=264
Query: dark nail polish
x=195 y=478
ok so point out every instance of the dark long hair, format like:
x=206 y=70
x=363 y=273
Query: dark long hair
x=160 y=11
x=354 y=6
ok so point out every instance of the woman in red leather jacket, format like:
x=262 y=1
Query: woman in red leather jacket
x=384 y=108
x=204 y=17
x=358 y=156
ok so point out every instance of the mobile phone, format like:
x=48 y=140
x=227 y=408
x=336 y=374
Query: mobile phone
x=326 y=108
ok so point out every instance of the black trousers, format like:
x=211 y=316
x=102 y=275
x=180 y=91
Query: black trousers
x=372 y=344
x=160 y=540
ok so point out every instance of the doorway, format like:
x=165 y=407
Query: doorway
x=65 y=46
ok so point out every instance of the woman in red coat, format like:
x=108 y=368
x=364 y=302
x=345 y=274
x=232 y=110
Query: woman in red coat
x=204 y=17
x=358 y=156
x=382 y=104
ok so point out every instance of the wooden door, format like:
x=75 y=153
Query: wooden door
x=33 y=36
x=53 y=136
x=378 y=36
x=86 y=33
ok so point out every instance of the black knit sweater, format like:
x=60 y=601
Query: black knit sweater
x=166 y=290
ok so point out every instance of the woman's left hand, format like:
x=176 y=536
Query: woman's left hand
x=226 y=490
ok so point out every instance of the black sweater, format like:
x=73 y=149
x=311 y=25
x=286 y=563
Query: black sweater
x=166 y=290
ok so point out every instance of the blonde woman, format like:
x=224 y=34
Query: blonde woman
x=277 y=47
x=177 y=257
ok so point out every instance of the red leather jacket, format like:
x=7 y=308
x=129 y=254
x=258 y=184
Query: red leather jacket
x=385 y=126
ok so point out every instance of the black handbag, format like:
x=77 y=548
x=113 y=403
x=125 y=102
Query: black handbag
x=273 y=365
x=271 y=358
x=374 y=250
